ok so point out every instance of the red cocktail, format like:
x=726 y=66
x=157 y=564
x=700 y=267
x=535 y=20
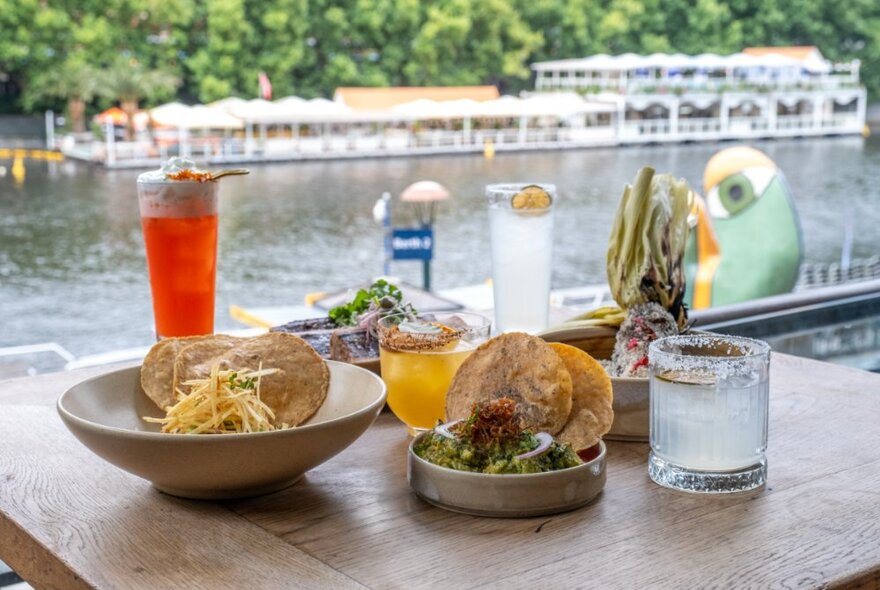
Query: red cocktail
x=179 y=218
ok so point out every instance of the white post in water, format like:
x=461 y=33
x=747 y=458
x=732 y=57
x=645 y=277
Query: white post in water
x=109 y=142
x=248 y=138
x=50 y=130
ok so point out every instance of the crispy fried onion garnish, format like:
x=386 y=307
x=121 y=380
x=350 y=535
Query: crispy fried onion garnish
x=187 y=174
x=492 y=421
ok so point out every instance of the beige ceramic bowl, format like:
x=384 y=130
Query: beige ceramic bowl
x=631 y=405
x=630 y=394
x=105 y=412
x=515 y=495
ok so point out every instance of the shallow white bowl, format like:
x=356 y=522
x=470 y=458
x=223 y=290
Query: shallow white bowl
x=105 y=413
x=513 y=495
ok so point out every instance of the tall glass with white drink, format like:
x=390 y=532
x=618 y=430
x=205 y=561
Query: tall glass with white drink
x=709 y=412
x=521 y=228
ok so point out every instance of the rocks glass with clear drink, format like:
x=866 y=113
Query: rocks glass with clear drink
x=179 y=219
x=521 y=230
x=709 y=410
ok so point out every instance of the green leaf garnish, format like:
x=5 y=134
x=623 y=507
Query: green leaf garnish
x=383 y=294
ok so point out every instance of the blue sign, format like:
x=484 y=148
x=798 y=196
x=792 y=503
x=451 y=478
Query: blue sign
x=412 y=244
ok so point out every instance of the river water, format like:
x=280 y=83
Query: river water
x=73 y=270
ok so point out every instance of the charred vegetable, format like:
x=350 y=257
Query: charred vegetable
x=646 y=249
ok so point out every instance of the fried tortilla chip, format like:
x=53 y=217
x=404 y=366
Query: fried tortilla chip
x=157 y=370
x=521 y=367
x=591 y=397
x=294 y=392
x=194 y=352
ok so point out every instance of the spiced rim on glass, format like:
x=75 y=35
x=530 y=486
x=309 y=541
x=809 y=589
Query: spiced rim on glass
x=419 y=356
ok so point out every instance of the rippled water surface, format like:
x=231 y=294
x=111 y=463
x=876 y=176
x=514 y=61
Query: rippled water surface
x=73 y=271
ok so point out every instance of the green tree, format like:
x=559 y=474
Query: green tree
x=472 y=42
x=280 y=45
x=76 y=82
x=225 y=65
x=569 y=29
x=216 y=48
x=130 y=82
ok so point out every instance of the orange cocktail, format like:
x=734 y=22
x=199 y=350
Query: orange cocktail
x=420 y=356
x=179 y=219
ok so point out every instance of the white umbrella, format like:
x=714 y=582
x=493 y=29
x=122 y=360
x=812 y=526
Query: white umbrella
x=424 y=191
x=181 y=116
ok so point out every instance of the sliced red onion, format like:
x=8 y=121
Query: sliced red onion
x=443 y=429
x=544 y=442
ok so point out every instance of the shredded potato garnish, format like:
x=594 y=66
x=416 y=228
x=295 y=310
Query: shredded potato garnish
x=228 y=401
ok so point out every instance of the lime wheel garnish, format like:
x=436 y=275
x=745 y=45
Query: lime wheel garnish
x=531 y=197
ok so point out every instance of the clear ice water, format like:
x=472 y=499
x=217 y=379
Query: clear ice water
x=710 y=426
x=522 y=244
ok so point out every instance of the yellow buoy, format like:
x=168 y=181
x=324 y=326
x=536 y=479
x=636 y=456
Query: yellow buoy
x=246 y=317
x=488 y=149
x=866 y=131
x=18 y=171
x=310 y=298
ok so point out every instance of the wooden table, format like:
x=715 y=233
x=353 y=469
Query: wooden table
x=69 y=520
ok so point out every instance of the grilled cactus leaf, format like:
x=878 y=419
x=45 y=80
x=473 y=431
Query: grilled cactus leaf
x=646 y=248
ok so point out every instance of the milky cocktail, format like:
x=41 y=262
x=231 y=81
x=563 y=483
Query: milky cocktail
x=419 y=356
x=178 y=208
x=709 y=412
x=521 y=230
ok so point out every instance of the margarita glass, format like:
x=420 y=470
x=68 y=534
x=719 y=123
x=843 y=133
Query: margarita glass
x=709 y=412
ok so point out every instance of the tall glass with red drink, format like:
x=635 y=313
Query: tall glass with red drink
x=178 y=208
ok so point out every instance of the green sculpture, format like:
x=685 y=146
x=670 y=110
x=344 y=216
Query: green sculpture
x=746 y=240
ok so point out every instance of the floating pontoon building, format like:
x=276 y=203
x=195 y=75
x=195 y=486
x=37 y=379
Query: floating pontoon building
x=594 y=101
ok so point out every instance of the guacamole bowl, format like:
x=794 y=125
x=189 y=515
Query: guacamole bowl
x=505 y=495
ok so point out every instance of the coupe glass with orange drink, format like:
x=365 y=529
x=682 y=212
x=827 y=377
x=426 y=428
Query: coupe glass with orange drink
x=419 y=355
x=178 y=209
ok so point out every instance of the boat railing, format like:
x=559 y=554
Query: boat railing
x=715 y=85
x=862 y=296
x=818 y=274
x=839 y=323
x=20 y=360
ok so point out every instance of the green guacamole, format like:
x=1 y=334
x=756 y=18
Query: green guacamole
x=497 y=457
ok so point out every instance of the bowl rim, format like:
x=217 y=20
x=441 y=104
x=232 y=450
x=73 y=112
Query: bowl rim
x=630 y=379
x=205 y=438
x=603 y=451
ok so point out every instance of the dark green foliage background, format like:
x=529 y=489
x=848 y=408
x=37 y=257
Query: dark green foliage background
x=215 y=48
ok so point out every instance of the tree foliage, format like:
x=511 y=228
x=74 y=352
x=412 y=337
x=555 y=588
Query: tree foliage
x=217 y=48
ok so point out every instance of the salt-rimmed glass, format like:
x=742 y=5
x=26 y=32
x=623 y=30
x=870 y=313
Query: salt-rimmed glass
x=419 y=357
x=709 y=412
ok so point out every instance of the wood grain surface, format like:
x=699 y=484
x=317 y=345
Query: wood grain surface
x=69 y=520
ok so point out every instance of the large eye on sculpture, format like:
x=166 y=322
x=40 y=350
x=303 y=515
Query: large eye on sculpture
x=738 y=191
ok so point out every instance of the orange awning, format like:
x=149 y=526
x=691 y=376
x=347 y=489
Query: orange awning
x=801 y=52
x=113 y=115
